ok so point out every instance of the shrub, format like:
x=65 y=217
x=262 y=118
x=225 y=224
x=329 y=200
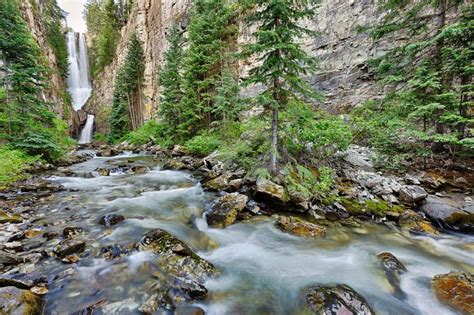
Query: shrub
x=313 y=136
x=308 y=182
x=150 y=131
x=202 y=144
x=13 y=164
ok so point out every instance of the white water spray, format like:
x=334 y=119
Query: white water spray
x=79 y=84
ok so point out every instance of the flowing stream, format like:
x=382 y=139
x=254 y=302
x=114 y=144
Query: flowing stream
x=262 y=268
x=78 y=81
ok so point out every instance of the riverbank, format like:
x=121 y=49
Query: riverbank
x=134 y=231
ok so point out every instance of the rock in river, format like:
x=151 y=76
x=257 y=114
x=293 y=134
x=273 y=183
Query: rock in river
x=69 y=247
x=455 y=289
x=415 y=223
x=186 y=271
x=18 y=301
x=335 y=300
x=300 y=227
x=224 y=211
x=392 y=269
x=111 y=219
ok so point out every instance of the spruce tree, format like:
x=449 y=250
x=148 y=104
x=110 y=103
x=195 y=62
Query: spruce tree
x=171 y=81
x=211 y=29
x=281 y=61
x=126 y=106
x=431 y=73
x=228 y=103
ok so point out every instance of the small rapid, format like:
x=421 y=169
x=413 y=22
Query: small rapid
x=262 y=269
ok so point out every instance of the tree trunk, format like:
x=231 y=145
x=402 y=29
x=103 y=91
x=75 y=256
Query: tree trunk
x=277 y=98
x=440 y=23
x=273 y=161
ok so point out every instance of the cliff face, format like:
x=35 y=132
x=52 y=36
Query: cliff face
x=56 y=86
x=151 y=19
x=341 y=49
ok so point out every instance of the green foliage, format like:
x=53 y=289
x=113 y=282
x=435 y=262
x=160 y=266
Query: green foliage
x=308 y=183
x=212 y=30
x=13 y=165
x=281 y=61
x=151 y=131
x=202 y=144
x=100 y=137
x=25 y=118
x=127 y=85
x=171 y=81
x=431 y=74
x=312 y=136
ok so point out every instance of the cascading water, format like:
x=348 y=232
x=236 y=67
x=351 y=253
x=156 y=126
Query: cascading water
x=79 y=84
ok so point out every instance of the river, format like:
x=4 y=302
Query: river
x=262 y=268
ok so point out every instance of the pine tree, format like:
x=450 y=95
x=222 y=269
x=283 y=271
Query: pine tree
x=281 y=61
x=431 y=72
x=126 y=101
x=211 y=29
x=228 y=102
x=171 y=81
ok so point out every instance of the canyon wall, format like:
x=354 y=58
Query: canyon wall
x=341 y=49
x=56 y=86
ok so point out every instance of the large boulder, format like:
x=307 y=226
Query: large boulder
x=268 y=191
x=18 y=301
x=300 y=227
x=337 y=299
x=393 y=269
x=186 y=272
x=449 y=214
x=455 y=289
x=224 y=211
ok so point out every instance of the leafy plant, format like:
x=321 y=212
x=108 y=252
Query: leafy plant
x=202 y=144
x=13 y=165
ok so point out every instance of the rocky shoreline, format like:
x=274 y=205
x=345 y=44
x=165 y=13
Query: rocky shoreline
x=426 y=203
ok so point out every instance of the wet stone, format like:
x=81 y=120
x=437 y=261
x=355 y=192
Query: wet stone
x=17 y=301
x=111 y=219
x=300 y=227
x=393 y=269
x=224 y=211
x=268 y=191
x=455 y=289
x=69 y=247
x=72 y=232
x=9 y=259
x=114 y=251
x=335 y=300
x=415 y=223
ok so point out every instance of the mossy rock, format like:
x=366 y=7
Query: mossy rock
x=455 y=289
x=6 y=218
x=18 y=301
x=299 y=227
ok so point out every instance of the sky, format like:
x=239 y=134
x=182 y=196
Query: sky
x=75 y=19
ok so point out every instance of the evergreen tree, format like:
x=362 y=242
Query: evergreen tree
x=211 y=30
x=26 y=121
x=228 y=102
x=171 y=81
x=281 y=61
x=126 y=102
x=432 y=71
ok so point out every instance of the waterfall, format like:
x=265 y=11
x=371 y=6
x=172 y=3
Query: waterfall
x=78 y=81
x=86 y=133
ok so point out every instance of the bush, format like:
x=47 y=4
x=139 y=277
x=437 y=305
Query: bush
x=150 y=131
x=202 y=144
x=312 y=136
x=13 y=164
x=308 y=182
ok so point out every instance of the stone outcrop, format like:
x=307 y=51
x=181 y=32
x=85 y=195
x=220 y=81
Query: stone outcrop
x=455 y=289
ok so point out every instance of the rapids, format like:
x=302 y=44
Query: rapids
x=262 y=268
